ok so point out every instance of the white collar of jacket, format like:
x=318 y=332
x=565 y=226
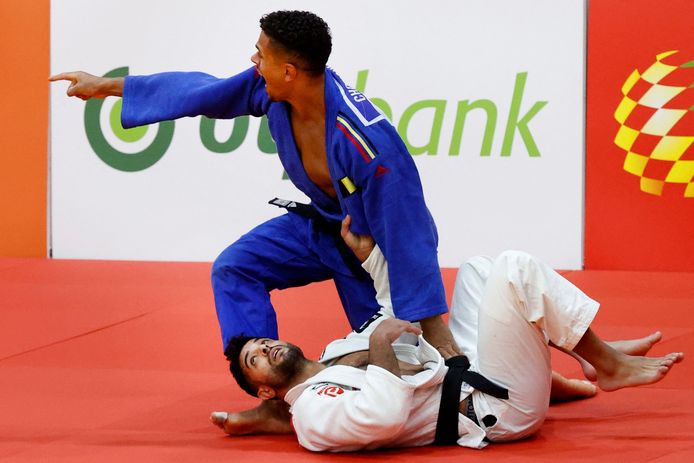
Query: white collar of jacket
x=434 y=370
x=357 y=341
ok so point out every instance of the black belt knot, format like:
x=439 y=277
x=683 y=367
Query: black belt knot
x=459 y=371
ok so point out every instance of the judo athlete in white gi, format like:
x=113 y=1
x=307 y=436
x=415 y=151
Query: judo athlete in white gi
x=506 y=312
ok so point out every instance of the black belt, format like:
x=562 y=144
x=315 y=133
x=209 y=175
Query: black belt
x=329 y=227
x=447 y=422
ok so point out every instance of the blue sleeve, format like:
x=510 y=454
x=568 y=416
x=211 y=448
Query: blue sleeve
x=171 y=95
x=401 y=224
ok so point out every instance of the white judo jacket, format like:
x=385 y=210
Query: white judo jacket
x=343 y=408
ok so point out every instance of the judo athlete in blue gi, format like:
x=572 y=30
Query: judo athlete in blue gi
x=338 y=149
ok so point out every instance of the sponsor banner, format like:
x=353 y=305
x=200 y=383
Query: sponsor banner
x=487 y=95
x=640 y=136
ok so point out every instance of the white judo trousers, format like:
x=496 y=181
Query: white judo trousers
x=503 y=314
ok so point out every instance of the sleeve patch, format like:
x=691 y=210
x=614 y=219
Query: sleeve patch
x=365 y=110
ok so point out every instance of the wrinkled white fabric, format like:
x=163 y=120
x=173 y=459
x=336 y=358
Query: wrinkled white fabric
x=503 y=314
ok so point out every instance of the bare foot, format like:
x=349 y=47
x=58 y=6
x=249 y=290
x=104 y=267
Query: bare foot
x=639 y=346
x=270 y=417
x=629 y=371
x=565 y=389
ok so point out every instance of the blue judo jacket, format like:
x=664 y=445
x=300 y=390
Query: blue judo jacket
x=372 y=171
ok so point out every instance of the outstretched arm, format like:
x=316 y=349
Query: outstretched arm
x=172 y=95
x=85 y=86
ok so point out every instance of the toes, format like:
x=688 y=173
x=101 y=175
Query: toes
x=589 y=388
x=589 y=372
x=218 y=418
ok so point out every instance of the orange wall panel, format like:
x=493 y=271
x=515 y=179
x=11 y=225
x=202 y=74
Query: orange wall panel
x=640 y=135
x=24 y=51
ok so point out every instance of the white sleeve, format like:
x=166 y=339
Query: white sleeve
x=343 y=420
x=357 y=340
x=377 y=266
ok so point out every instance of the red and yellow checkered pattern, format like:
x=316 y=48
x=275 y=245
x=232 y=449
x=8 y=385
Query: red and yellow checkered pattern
x=656 y=119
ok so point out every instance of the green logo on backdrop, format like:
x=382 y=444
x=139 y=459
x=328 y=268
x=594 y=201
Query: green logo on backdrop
x=514 y=122
x=147 y=157
x=127 y=162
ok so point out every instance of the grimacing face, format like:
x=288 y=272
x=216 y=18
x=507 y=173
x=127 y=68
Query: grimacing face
x=271 y=63
x=269 y=362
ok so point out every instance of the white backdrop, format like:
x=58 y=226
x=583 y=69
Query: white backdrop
x=193 y=202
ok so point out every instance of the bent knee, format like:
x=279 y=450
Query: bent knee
x=470 y=280
x=515 y=264
x=232 y=261
x=512 y=255
x=473 y=270
x=515 y=268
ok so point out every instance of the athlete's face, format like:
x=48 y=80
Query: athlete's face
x=268 y=362
x=272 y=64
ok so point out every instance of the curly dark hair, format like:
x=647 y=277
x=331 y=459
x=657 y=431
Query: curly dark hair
x=302 y=34
x=233 y=354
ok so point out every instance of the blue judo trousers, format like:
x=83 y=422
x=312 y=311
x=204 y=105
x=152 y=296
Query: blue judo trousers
x=376 y=182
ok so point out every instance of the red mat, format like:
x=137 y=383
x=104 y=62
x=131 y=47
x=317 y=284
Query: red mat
x=121 y=361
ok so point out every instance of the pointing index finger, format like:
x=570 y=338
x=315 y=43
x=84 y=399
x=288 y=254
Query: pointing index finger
x=71 y=76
